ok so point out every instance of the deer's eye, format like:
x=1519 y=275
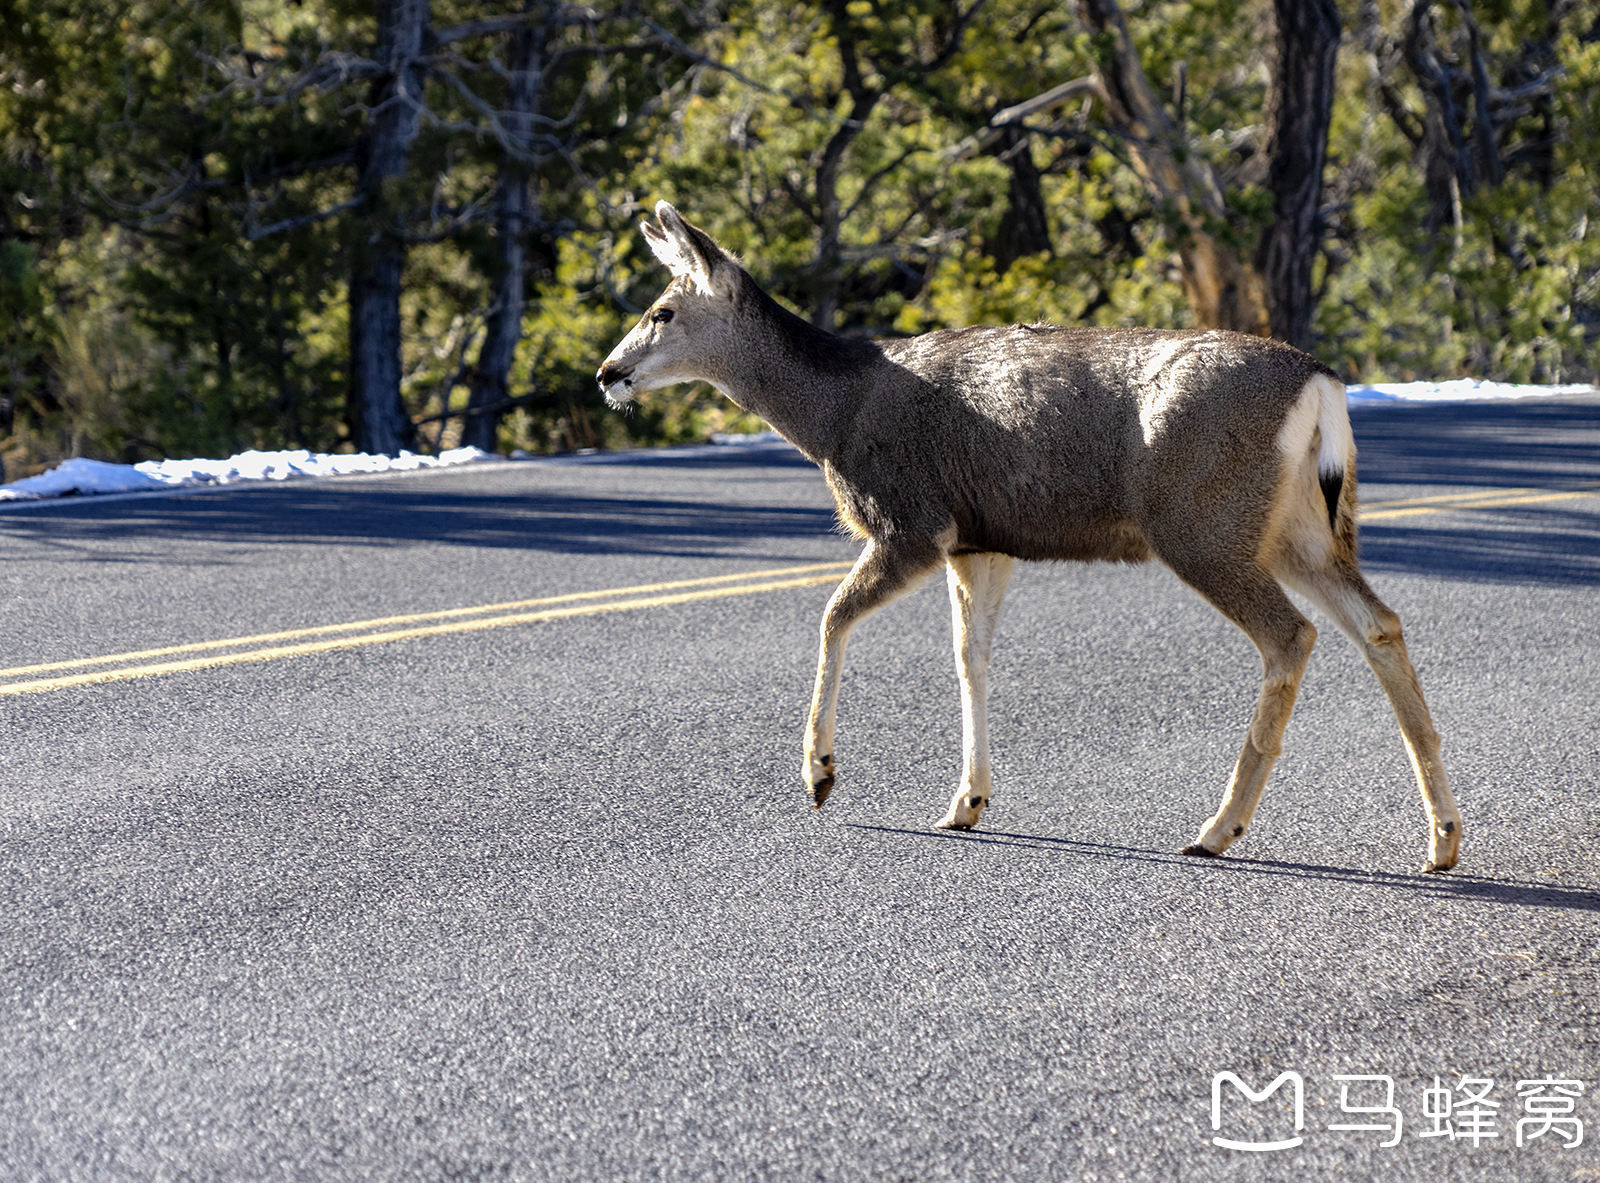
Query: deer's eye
x=661 y=316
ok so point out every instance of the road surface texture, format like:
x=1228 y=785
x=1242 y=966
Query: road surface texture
x=440 y=866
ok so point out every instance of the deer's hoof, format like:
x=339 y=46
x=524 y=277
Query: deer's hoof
x=964 y=813
x=820 y=791
x=1444 y=847
x=1439 y=863
x=1199 y=851
x=818 y=775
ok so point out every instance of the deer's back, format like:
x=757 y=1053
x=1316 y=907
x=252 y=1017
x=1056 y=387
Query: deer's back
x=1046 y=442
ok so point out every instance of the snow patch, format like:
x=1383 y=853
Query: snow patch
x=751 y=439
x=80 y=476
x=1461 y=390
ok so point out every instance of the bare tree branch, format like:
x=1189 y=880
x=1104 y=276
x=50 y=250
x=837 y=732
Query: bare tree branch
x=467 y=215
x=566 y=15
x=1014 y=115
x=871 y=183
x=1224 y=290
x=256 y=234
x=505 y=404
x=1482 y=122
x=1050 y=98
x=672 y=42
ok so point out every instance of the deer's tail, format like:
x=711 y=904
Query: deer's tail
x=1316 y=434
x=1336 y=456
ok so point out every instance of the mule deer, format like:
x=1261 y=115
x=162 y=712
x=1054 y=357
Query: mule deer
x=1227 y=457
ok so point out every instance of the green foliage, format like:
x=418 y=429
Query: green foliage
x=1516 y=294
x=180 y=223
x=919 y=217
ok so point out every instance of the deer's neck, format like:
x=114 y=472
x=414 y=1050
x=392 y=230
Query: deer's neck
x=806 y=382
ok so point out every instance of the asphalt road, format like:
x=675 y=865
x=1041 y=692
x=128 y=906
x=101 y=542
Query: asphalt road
x=530 y=890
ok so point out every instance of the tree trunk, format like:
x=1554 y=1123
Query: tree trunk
x=1299 y=109
x=378 y=420
x=514 y=215
x=1224 y=290
x=1025 y=226
x=828 y=269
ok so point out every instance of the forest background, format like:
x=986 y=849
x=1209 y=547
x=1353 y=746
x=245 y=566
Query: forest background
x=322 y=224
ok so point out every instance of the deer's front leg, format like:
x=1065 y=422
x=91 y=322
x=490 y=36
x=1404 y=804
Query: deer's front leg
x=880 y=574
x=977 y=588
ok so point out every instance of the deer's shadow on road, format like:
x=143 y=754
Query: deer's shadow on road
x=1453 y=885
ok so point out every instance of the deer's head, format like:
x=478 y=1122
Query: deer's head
x=690 y=327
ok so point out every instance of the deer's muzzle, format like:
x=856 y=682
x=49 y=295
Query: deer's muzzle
x=610 y=374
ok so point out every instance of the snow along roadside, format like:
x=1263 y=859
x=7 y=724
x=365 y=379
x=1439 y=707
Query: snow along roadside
x=82 y=476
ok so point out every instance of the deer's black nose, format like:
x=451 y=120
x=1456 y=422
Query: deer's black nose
x=610 y=374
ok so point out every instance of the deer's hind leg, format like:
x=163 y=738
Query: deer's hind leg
x=882 y=573
x=1338 y=588
x=977 y=589
x=1254 y=601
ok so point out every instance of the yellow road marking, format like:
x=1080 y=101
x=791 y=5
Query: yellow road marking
x=271 y=653
x=1484 y=499
x=1444 y=497
x=382 y=621
x=807 y=576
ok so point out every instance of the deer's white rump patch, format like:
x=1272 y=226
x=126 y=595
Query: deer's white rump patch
x=1319 y=413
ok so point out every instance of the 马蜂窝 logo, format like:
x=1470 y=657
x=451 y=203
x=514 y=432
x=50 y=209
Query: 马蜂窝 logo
x=1255 y=1098
x=1465 y=1113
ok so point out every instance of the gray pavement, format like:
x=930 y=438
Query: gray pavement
x=544 y=901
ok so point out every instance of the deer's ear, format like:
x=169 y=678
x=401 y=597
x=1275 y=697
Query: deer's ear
x=690 y=252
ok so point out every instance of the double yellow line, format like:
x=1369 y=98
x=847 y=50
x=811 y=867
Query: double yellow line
x=1484 y=499
x=269 y=646
x=120 y=667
